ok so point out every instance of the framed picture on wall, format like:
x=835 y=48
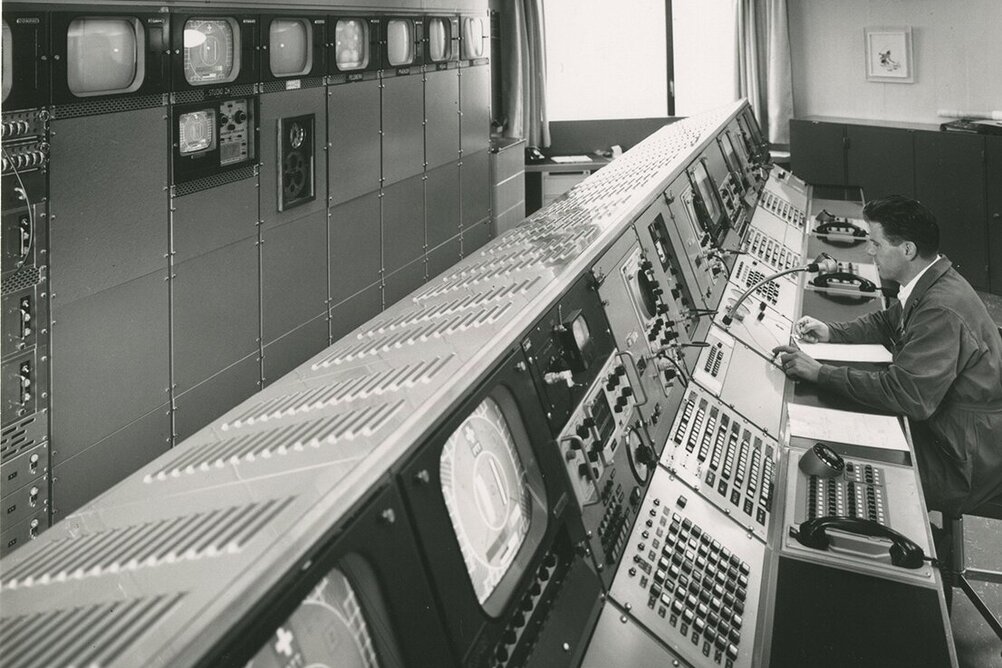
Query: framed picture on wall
x=889 y=55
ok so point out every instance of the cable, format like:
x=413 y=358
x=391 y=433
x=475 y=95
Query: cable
x=31 y=217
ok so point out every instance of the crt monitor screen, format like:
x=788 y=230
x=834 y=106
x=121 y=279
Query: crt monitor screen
x=104 y=55
x=708 y=194
x=328 y=628
x=400 y=42
x=211 y=51
x=487 y=493
x=197 y=132
x=439 y=39
x=8 y=60
x=351 y=44
x=473 y=37
x=290 y=47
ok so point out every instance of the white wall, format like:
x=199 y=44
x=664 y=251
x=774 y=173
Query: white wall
x=958 y=56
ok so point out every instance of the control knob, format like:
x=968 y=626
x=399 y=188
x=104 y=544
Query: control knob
x=240 y=116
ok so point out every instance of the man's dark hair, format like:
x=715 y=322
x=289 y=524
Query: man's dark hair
x=905 y=219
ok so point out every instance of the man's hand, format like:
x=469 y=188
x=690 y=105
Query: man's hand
x=811 y=330
x=796 y=364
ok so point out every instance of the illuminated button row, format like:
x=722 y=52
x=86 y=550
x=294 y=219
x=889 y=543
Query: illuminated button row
x=785 y=211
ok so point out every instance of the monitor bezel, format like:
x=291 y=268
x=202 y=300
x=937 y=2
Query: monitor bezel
x=377 y=543
x=375 y=24
x=486 y=37
x=454 y=47
x=466 y=619
x=30 y=67
x=156 y=62
x=419 y=51
x=318 y=27
x=717 y=228
x=249 y=26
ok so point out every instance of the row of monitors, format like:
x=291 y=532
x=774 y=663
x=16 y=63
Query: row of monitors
x=95 y=54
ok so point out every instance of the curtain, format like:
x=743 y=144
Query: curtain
x=524 y=73
x=764 y=70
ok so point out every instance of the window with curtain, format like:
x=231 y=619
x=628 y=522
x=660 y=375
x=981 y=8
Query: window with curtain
x=607 y=60
x=705 y=54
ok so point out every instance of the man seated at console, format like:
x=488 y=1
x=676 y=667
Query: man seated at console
x=946 y=370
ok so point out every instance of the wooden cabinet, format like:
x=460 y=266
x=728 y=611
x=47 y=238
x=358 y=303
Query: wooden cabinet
x=879 y=160
x=957 y=175
x=993 y=183
x=950 y=180
x=817 y=151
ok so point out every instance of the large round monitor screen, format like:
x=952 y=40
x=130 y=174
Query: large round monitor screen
x=327 y=630
x=485 y=490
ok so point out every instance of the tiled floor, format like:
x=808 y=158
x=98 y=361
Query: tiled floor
x=977 y=645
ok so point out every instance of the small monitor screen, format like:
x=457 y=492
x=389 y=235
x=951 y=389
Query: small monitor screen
x=8 y=60
x=439 y=39
x=211 y=51
x=400 y=42
x=290 y=47
x=707 y=193
x=351 y=44
x=104 y=55
x=473 y=37
x=487 y=495
x=327 y=629
x=197 y=132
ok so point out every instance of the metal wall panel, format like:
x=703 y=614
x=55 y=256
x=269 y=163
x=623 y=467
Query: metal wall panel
x=208 y=220
x=475 y=108
x=403 y=128
x=444 y=256
x=285 y=354
x=403 y=223
x=441 y=112
x=475 y=184
x=110 y=362
x=441 y=204
x=215 y=312
x=91 y=472
x=353 y=134
x=404 y=281
x=351 y=313
x=476 y=236
x=880 y=160
x=110 y=227
x=208 y=400
x=817 y=152
x=293 y=275
x=275 y=106
x=355 y=247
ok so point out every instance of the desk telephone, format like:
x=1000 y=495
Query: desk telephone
x=838 y=229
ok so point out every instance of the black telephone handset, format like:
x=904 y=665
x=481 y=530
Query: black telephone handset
x=841 y=226
x=838 y=279
x=813 y=533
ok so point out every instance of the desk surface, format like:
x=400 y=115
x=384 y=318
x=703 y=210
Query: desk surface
x=594 y=162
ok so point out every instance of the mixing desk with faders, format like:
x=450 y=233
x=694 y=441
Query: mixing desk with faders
x=573 y=448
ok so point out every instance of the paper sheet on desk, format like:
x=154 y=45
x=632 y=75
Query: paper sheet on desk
x=826 y=424
x=846 y=352
x=562 y=159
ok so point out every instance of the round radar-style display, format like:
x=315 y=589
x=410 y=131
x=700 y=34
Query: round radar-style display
x=582 y=335
x=485 y=490
x=327 y=630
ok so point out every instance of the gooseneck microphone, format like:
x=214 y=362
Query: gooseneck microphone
x=822 y=263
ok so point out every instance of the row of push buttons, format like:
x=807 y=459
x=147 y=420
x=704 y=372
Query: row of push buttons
x=699 y=585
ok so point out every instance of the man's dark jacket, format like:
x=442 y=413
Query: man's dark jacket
x=945 y=376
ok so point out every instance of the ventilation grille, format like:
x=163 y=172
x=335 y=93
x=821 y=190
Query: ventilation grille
x=149 y=545
x=214 y=181
x=22 y=435
x=280 y=86
x=433 y=330
x=277 y=443
x=94 y=635
x=362 y=387
x=202 y=94
x=111 y=106
x=23 y=278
